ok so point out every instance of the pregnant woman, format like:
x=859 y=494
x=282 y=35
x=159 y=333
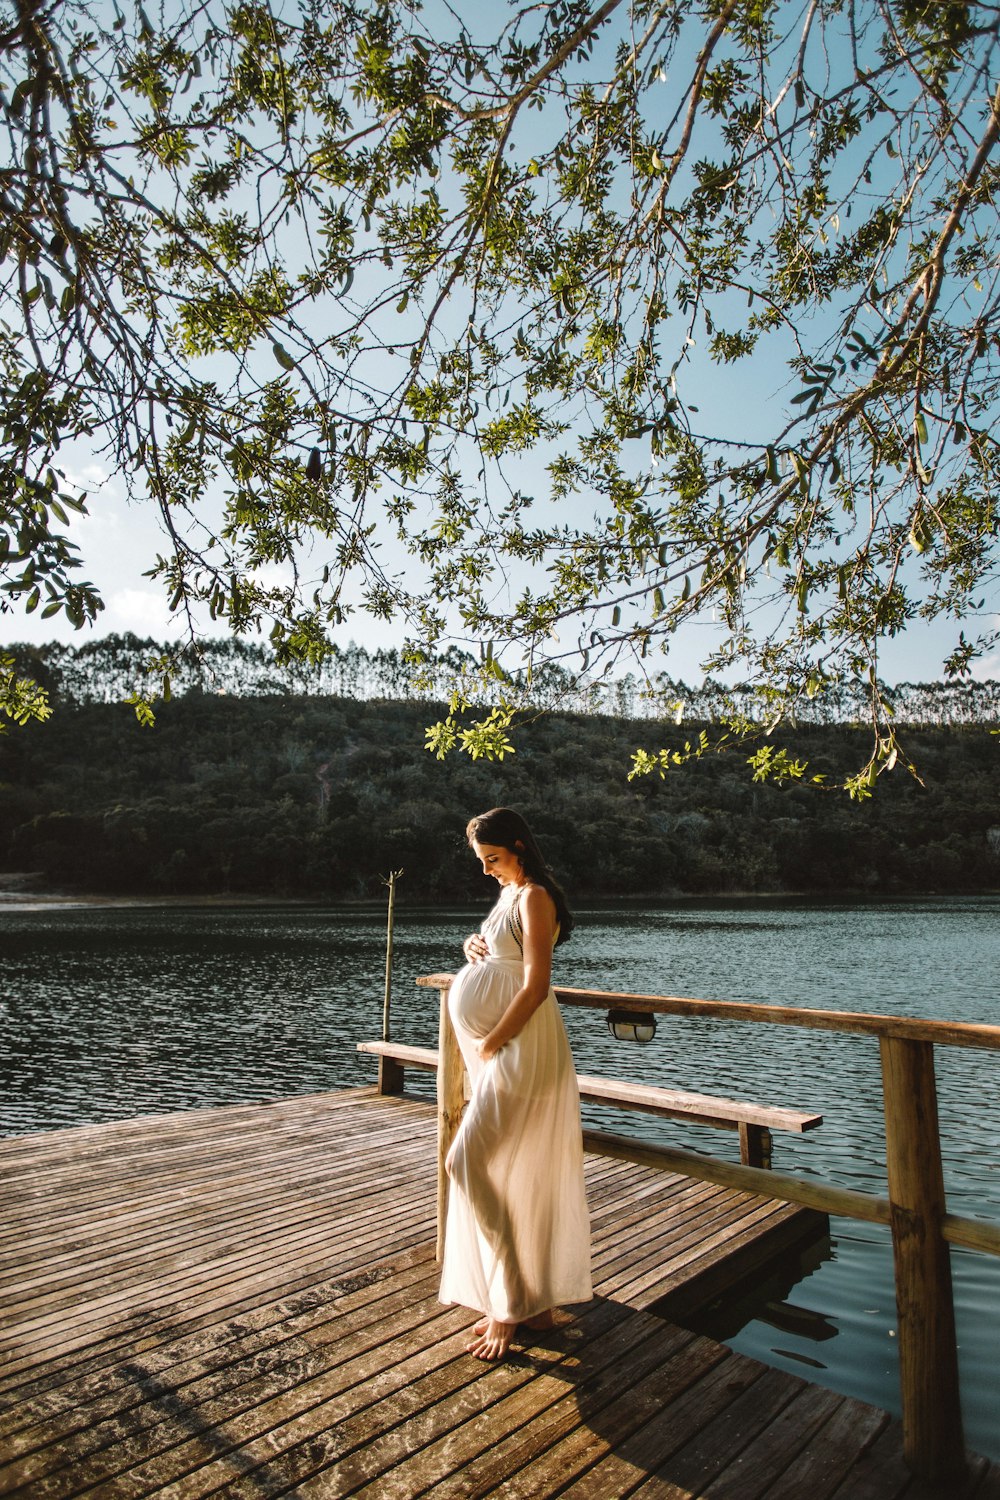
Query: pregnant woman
x=517 y=1241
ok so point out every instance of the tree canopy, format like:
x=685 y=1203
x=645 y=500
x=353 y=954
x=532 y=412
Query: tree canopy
x=546 y=328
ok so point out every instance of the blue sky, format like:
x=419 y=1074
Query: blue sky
x=119 y=541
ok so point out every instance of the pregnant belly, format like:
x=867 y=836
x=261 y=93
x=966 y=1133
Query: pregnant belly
x=480 y=993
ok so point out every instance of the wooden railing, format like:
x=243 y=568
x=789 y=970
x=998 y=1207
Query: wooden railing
x=915 y=1209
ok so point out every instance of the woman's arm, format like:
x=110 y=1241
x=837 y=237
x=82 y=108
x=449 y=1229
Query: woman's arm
x=538 y=922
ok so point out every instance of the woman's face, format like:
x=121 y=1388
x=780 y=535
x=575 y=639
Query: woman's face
x=499 y=862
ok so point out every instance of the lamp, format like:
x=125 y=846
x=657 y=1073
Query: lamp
x=632 y=1025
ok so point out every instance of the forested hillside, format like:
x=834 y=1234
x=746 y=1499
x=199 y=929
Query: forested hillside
x=320 y=796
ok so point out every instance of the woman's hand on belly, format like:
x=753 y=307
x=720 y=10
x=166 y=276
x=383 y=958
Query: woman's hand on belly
x=475 y=948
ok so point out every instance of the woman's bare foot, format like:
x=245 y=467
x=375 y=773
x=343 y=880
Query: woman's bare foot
x=493 y=1342
x=541 y=1321
x=481 y=1324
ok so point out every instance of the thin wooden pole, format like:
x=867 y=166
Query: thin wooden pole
x=451 y=1102
x=928 y=1355
x=391 y=883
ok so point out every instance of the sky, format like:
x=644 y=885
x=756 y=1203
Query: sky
x=119 y=541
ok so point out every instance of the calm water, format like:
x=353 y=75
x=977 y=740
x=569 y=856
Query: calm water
x=110 y=1012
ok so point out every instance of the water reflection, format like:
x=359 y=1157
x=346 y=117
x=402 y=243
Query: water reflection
x=115 y=1012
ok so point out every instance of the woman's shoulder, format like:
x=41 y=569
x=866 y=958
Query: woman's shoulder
x=535 y=901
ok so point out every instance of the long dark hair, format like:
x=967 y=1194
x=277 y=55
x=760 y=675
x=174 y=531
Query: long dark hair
x=506 y=829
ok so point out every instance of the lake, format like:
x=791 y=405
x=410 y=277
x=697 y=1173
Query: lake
x=111 y=1011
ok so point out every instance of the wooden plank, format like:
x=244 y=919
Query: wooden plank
x=144 y=1403
x=425 y=1058
x=79 y=1173
x=425 y=1437
x=102 y=1300
x=681 y=1471
x=670 y=1243
x=676 y=1219
x=294 y=1439
x=185 y=1430
x=63 y=1404
x=684 y=1220
x=55 y=1378
x=750 y=1250
x=80 y=1183
x=105 y=1139
x=132 y=1210
x=616 y=1186
x=807 y=1192
x=180 y=1432
x=667 y=1266
x=329 y=1194
x=648 y=1419
x=703 y=1109
x=128 y=1205
x=831 y=1453
x=618 y=1237
x=751 y=1473
x=858 y=1023
x=432 y=1446
x=882 y=1473
x=169 y=1241
x=971 y=1234
x=156 y=1314
x=530 y=1428
x=639 y=1218
x=105 y=1299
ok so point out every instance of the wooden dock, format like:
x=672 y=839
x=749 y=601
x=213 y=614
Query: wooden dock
x=242 y=1302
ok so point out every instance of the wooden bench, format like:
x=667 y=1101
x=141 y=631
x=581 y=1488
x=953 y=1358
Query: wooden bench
x=755 y=1122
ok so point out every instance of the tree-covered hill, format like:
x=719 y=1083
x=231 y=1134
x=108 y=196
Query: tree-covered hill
x=112 y=668
x=319 y=796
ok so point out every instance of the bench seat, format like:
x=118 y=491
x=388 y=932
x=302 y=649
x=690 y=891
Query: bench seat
x=753 y=1121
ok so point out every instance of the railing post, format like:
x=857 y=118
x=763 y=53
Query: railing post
x=928 y=1356
x=450 y=1102
x=755 y=1145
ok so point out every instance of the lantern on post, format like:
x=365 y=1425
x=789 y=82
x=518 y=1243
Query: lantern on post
x=632 y=1025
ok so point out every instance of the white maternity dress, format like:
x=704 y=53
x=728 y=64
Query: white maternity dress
x=517 y=1240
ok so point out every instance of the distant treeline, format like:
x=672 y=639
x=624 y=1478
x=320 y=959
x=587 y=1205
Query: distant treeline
x=108 y=669
x=319 y=797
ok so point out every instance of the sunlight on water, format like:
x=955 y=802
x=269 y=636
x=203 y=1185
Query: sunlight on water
x=111 y=1012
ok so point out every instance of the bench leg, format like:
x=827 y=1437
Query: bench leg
x=755 y=1145
x=390 y=1076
